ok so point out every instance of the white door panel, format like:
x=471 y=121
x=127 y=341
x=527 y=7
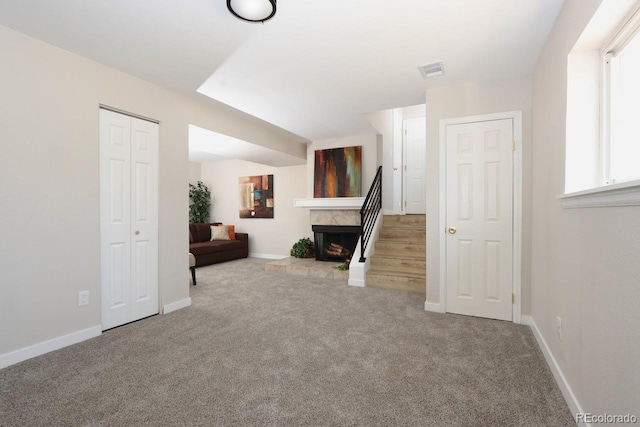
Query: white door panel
x=416 y=158
x=145 y=223
x=115 y=198
x=479 y=190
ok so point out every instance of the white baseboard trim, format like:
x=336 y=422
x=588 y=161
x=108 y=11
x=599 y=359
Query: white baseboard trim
x=356 y=282
x=267 y=256
x=168 y=308
x=561 y=380
x=434 y=307
x=39 y=349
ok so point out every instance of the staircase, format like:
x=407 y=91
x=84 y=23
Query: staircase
x=399 y=262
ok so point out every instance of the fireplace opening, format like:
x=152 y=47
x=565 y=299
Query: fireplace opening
x=335 y=242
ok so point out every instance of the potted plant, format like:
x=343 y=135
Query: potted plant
x=303 y=248
x=199 y=202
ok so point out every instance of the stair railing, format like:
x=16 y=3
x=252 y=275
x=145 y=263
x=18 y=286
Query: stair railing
x=369 y=212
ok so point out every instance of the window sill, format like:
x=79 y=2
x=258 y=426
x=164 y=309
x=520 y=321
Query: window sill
x=623 y=194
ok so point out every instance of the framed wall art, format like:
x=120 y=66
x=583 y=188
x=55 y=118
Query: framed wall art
x=338 y=172
x=256 y=196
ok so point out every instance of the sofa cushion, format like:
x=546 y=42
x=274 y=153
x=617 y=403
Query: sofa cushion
x=202 y=231
x=219 y=232
x=215 y=246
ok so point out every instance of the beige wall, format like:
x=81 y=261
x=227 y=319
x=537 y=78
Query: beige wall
x=267 y=237
x=49 y=183
x=382 y=122
x=414 y=111
x=470 y=99
x=585 y=265
x=195 y=172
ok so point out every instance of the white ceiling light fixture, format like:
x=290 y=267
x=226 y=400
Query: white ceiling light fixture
x=252 y=10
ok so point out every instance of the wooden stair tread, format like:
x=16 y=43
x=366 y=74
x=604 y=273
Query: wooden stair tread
x=397 y=283
x=410 y=245
x=405 y=219
x=407 y=274
x=399 y=257
x=408 y=241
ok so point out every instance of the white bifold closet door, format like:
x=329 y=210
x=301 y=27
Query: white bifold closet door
x=128 y=218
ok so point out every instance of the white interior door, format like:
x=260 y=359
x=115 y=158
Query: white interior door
x=129 y=218
x=415 y=142
x=479 y=218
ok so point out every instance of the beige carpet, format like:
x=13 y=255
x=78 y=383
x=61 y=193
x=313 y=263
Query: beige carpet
x=268 y=349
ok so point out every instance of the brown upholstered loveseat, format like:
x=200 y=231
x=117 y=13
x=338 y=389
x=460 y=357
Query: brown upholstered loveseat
x=207 y=251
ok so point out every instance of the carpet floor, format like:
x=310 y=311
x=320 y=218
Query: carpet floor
x=269 y=349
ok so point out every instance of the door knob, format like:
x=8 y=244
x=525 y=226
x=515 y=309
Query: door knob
x=452 y=230
x=137 y=232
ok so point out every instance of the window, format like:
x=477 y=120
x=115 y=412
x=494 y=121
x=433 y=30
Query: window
x=602 y=163
x=621 y=140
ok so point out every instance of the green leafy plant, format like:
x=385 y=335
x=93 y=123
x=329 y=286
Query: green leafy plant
x=199 y=202
x=303 y=248
x=341 y=267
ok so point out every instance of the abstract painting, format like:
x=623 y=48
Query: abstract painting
x=338 y=172
x=256 y=196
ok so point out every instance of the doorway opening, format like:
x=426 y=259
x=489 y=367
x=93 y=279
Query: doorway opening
x=397 y=162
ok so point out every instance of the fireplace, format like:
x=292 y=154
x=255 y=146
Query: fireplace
x=335 y=242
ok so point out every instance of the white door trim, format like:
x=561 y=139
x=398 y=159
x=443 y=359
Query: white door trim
x=516 y=116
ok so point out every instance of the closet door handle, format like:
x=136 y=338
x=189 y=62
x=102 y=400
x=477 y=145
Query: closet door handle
x=137 y=232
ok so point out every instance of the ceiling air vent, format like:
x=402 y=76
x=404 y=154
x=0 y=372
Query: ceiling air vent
x=432 y=70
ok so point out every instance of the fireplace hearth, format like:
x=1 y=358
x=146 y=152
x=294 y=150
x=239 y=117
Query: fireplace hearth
x=335 y=242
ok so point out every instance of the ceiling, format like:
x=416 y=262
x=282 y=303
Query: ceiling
x=313 y=69
x=209 y=146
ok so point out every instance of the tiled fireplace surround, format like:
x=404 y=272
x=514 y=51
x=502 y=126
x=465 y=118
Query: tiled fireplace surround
x=335 y=217
x=310 y=267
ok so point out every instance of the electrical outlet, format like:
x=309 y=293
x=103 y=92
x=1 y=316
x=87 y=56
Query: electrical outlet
x=83 y=298
x=559 y=326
